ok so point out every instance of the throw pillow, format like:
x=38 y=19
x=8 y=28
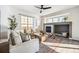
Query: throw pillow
x=17 y=37
x=23 y=37
x=64 y=34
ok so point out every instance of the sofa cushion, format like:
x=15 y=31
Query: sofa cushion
x=64 y=34
x=23 y=37
x=30 y=46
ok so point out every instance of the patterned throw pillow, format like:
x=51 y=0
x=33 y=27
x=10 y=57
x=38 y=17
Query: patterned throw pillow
x=23 y=37
x=17 y=37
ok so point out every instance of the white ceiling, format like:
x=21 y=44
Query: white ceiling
x=34 y=10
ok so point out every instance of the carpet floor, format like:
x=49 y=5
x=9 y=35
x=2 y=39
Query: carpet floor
x=59 y=45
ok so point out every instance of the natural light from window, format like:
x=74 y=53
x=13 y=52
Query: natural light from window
x=28 y=23
x=54 y=19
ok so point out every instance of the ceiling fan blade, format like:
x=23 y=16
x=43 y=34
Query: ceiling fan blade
x=38 y=7
x=47 y=8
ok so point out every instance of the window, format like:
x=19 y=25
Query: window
x=56 y=19
x=48 y=20
x=61 y=19
x=27 y=23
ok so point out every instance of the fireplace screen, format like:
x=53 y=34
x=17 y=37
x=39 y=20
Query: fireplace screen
x=48 y=29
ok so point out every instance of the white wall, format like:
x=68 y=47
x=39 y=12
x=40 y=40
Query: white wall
x=73 y=15
x=75 y=23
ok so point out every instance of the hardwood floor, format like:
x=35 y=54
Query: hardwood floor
x=59 y=45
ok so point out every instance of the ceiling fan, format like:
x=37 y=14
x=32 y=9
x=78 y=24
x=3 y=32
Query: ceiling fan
x=43 y=7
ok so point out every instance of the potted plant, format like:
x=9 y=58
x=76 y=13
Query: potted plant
x=65 y=18
x=12 y=27
x=13 y=23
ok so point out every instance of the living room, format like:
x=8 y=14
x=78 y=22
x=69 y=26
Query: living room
x=53 y=30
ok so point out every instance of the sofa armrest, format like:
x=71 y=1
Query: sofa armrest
x=4 y=47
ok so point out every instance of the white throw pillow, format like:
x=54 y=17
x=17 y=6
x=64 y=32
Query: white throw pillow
x=28 y=37
x=17 y=38
x=64 y=34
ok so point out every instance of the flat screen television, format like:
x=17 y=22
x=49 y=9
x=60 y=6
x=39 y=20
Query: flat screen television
x=48 y=29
